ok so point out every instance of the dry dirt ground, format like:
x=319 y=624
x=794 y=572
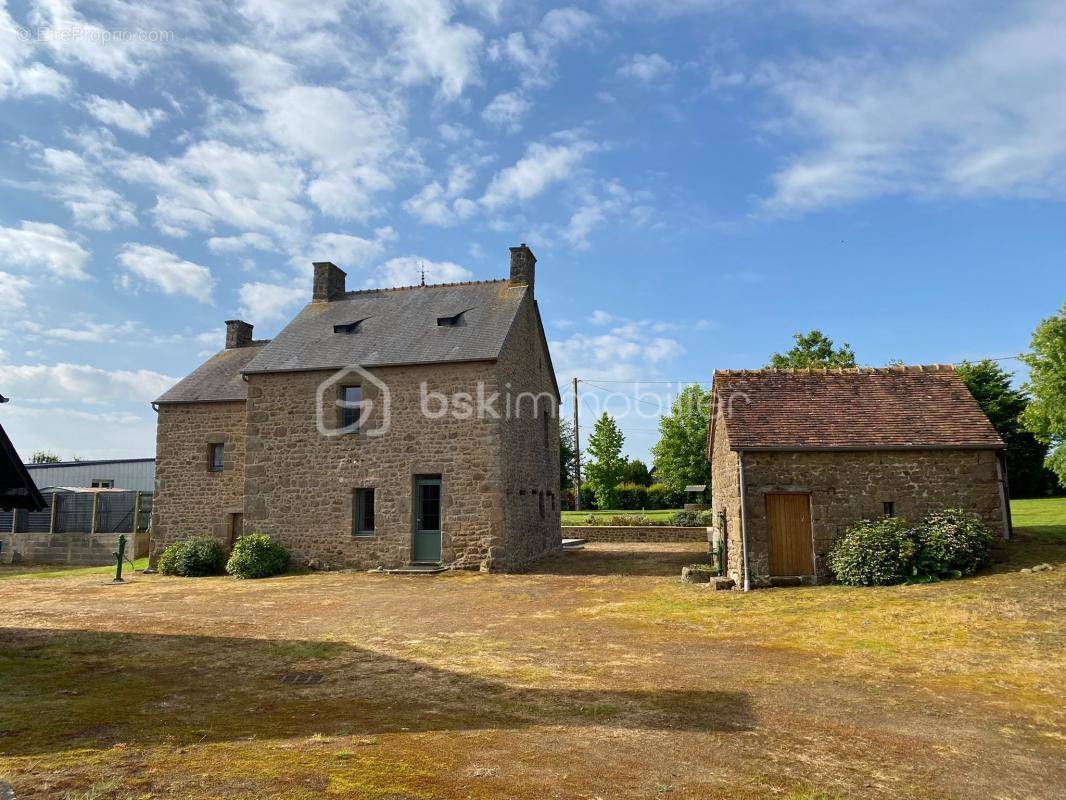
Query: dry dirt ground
x=597 y=675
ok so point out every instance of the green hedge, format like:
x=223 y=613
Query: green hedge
x=257 y=556
x=193 y=558
x=946 y=544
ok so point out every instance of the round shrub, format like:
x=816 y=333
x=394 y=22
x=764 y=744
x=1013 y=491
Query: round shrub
x=257 y=556
x=950 y=544
x=873 y=553
x=193 y=558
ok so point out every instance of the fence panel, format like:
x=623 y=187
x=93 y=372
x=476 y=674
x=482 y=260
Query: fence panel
x=74 y=512
x=115 y=514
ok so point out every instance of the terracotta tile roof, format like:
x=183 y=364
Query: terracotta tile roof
x=920 y=407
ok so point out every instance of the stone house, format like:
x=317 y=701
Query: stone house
x=797 y=456
x=381 y=427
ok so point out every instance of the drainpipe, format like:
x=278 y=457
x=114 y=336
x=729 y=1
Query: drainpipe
x=743 y=521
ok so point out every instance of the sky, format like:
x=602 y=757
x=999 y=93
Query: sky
x=699 y=179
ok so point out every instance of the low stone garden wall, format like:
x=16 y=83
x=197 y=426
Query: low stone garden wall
x=76 y=549
x=635 y=533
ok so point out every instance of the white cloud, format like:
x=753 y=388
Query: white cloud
x=625 y=353
x=506 y=110
x=429 y=46
x=83 y=383
x=42 y=244
x=646 y=68
x=167 y=271
x=611 y=204
x=987 y=118
x=18 y=77
x=13 y=289
x=122 y=115
x=440 y=205
x=345 y=250
x=266 y=302
x=407 y=271
x=600 y=317
x=535 y=56
x=80 y=185
x=83 y=331
x=239 y=244
x=215 y=183
x=543 y=165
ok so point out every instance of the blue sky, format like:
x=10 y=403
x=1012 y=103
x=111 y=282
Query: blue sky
x=699 y=178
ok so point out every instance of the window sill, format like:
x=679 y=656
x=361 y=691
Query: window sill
x=363 y=535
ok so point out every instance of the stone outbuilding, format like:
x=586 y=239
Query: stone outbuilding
x=797 y=456
x=413 y=426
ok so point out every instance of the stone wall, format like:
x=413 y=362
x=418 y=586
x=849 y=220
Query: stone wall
x=76 y=549
x=635 y=533
x=189 y=498
x=848 y=486
x=725 y=497
x=529 y=443
x=300 y=485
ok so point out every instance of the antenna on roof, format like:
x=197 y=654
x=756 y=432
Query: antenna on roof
x=422 y=266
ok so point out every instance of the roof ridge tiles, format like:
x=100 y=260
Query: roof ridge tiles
x=383 y=289
x=895 y=369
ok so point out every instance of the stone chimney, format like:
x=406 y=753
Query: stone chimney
x=523 y=266
x=329 y=281
x=238 y=334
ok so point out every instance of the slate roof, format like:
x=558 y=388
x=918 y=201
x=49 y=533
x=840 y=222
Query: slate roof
x=217 y=379
x=397 y=326
x=921 y=407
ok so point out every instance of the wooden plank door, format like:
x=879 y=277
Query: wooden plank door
x=788 y=517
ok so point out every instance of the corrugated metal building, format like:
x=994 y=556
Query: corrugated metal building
x=135 y=474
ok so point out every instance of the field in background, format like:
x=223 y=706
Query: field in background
x=578 y=517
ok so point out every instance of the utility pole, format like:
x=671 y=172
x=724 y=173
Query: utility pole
x=577 y=454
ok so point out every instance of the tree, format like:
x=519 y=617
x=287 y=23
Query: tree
x=566 y=454
x=44 y=457
x=636 y=472
x=813 y=349
x=1045 y=415
x=606 y=465
x=681 y=452
x=990 y=385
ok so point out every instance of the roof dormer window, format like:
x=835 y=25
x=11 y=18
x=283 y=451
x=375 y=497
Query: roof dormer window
x=348 y=327
x=452 y=321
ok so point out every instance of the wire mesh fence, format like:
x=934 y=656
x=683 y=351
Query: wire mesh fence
x=82 y=512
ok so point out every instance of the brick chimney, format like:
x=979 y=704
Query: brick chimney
x=523 y=266
x=329 y=281
x=238 y=334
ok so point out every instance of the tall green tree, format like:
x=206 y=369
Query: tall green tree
x=813 y=349
x=606 y=466
x=566 y=454
x=681 y=452
x=636 y=472
x=1004 y=405
x=44 y=457
x=1046 y=414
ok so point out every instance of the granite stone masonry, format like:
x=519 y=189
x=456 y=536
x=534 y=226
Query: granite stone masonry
x=457 y=388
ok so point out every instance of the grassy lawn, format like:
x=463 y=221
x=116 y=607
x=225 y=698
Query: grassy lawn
x=578 y=517
x=59 y=571
x=597 y=674
x=1044 y=517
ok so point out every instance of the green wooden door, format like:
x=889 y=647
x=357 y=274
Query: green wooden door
x=427 y=519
